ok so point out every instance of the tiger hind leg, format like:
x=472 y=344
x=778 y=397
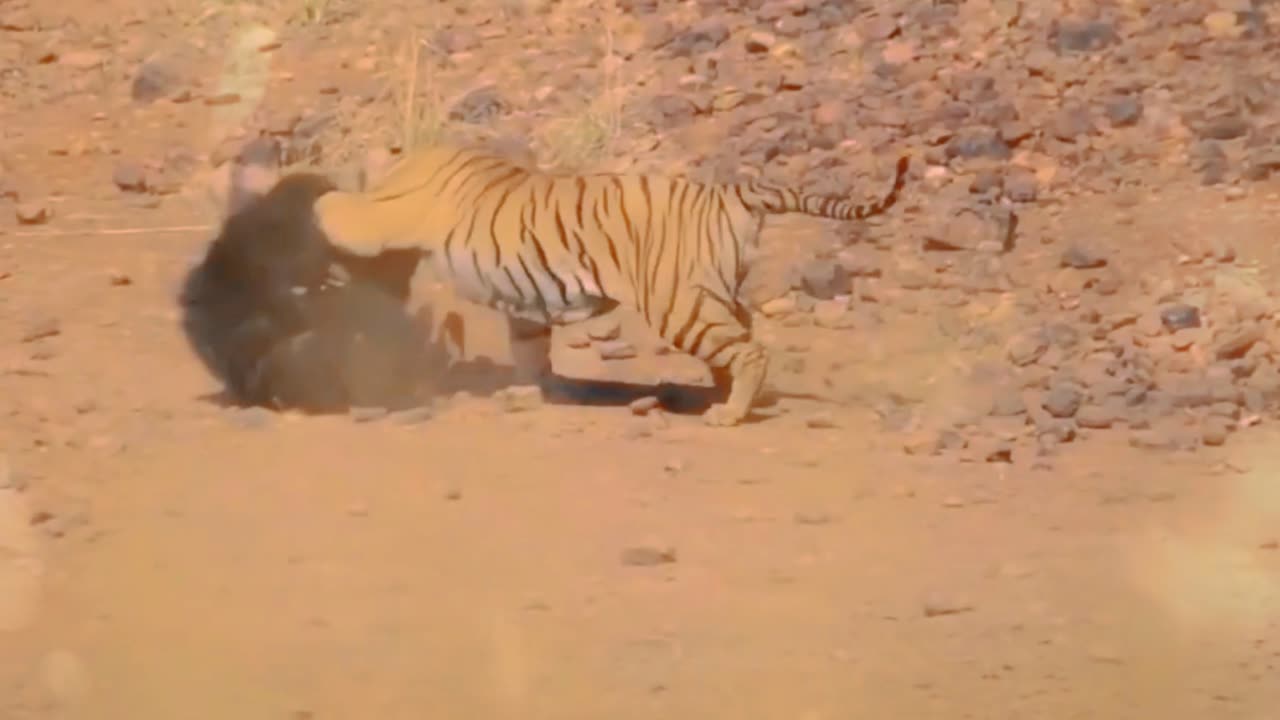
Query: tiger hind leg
x=530 y=351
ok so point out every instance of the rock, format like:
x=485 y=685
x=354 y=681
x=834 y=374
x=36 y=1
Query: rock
x=1062 y=400
x=1027 y=347
x=129 y=176
x=825 y=279
x=1081 y=36
x=1238 y=343
x=821 y=421
x=1070 y=123
x=1225 y=127
x=703 y=37
x=833 y=315
x=1179 y=316
x=41 y=328
x=480 y=106
x=1124 y=111
x=1007 y=402
x=32 y=213
x=644 y=405
x=760 y=42
x=1215 y=430
x=1151 y=439
x=976 y=143
x=646 y=556
x=520 y=398
x=779 y=306
x=964 y=229
x=154 y=80
x=1096 y=416
x=668 y=111
x=938 y=606
x=616 y=350
x=1081 y=258
x=1020 y=185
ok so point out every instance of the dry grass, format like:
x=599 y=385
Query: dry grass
x=586 y=138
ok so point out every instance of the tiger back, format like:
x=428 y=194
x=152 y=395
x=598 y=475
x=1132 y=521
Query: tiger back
x=549 y=249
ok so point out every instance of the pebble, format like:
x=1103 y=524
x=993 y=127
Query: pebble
x=32 y=213
x=647 y=556
x=1062 y=400
x=940 y=606
x=645 y=405
x=520 y=398
x=1179 y=316
x=129 y=177
x=41 y=328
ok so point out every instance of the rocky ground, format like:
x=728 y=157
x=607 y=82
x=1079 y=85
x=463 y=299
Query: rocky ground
x=1016 y=462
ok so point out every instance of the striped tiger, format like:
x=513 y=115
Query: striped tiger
x=550 y=249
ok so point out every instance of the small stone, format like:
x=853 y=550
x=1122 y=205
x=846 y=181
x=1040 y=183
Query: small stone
x=129 y=176
x=1027 y=347
x=155 y=79
x=1007 y=402
x=1152 y=439
x=833 y=315
x=81 y=59
x=1021 y=186
x=1215 y=430
x=1062 y=401
x=1070 y=123
x=32 y=213
x=1124 y=111
x=644 y=405
x=1081 y=258
x=760 y=42
x=646 y=556
x=1225 y=127
x=40 y=329
x=779 y=306
x=939 y=606
x=1237 y=344
x=820 y=421
x=1179 y=316
x=1096 y=416
x=480 y=106
x=921 y=442
x=825 y=279
x=1082 y=36
x=520 y=398
x=616 y=350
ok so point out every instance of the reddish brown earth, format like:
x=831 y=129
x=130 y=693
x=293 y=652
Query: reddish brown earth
x=1026 y=479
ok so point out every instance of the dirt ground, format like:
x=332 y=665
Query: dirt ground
x=898 y=535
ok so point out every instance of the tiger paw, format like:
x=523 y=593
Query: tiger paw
x=721 y=415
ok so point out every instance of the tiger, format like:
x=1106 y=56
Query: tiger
x=550 y=249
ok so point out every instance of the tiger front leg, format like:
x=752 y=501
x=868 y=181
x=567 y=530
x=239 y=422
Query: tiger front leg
x=745 y=373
